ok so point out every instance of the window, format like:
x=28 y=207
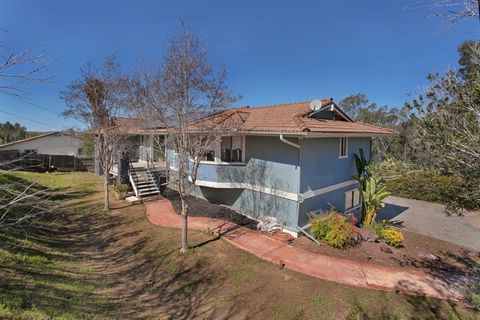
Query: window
x=228 y=149
x=352 y=199
x=80 y=152
x=209 y=155
x=343 y=148
x=231 y=149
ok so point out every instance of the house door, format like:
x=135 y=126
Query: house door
x=145 y=150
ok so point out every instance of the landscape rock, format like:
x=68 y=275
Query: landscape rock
x=367 y=235
x=282 y=236
x=385 y=248
x=429 y=256
x=269 y=224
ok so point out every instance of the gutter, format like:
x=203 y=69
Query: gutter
x=289 y=142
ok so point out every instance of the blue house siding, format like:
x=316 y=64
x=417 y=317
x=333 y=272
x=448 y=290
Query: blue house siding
x=271 y=179
x=255 y=204
x=264 y=186
x=321 y=168
x=331 y=200
x=320 y=164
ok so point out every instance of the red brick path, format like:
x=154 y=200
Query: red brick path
x=356 y=273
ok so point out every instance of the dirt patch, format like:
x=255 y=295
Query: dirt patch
x=198 y=207
x=418 y=252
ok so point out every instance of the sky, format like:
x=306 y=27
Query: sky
x=275 y=51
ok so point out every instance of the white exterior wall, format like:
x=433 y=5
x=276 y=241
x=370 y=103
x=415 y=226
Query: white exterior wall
x=57 y=144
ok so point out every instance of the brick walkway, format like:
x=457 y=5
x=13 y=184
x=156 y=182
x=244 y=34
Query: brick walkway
x=361 y=274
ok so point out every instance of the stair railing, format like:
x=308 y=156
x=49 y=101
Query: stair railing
x=132 y=176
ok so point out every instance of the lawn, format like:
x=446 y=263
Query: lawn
x=79 y=262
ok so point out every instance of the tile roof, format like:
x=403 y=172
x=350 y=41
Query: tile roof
x=295 y=117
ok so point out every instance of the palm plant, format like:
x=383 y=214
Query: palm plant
x=372 y=200
x=372 y=193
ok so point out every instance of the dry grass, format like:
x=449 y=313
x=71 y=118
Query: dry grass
x=80 y=263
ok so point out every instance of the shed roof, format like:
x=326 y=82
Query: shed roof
x=29 y=139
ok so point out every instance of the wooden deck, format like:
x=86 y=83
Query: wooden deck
x=157 y=166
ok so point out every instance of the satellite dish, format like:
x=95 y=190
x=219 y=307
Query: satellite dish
x=315 y=104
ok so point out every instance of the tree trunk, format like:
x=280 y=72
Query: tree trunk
x=184 y=248
x=105 y=192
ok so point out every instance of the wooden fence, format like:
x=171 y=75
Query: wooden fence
x=43 y=162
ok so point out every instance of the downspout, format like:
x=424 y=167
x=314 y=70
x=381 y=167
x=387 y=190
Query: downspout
x=289 y=142
x=300 y=196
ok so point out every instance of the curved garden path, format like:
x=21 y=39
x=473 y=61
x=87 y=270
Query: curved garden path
x=355 y=273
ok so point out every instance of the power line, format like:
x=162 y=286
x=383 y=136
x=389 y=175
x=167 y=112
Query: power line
x=28 y=119
x=39 y=106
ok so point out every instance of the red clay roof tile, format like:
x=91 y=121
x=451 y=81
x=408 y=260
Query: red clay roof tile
x=293 y=118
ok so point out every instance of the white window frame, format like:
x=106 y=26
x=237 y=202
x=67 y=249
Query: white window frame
x=218 y=153
x=340 y=155
x=353 y=200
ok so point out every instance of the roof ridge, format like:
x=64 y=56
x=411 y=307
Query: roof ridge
x=274 y=105
x=299 y=122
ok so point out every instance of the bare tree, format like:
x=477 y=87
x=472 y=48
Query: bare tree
x=451 y=11
x=18 y=67
x=97 y=99
x=184 y=96
x=21 y=200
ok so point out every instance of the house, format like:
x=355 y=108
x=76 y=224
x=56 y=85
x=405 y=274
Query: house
x=285 y=160
x=52 y=143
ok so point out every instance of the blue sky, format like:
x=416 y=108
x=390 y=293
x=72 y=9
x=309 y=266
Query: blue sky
x=275 y=51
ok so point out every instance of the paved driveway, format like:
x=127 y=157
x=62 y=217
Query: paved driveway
x=429 y=219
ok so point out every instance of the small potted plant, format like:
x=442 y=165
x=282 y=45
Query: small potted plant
x=121 y=191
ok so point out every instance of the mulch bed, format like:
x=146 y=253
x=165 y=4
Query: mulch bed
x=198 y=207
x=418 y=252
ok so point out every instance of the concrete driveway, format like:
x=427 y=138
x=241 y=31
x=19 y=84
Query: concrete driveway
x=429 y=219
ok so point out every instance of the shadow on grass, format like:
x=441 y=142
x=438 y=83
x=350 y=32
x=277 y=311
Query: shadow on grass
x=78 y=262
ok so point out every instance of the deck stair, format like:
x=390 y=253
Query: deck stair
x=143 y=182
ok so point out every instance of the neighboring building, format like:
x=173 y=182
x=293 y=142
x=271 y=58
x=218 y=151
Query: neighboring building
x=286 y=160
x=53 y=143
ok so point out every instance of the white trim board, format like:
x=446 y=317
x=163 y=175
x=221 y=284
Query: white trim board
x=274 y=192
x=333 y=187
x=241 y=185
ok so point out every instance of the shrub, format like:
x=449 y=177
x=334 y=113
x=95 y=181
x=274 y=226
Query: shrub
x=334 y=229
x=413 y=182
x=379 y=226
x=121 y=188
x=473 y=295
x=320 y=227
x=392 y=237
